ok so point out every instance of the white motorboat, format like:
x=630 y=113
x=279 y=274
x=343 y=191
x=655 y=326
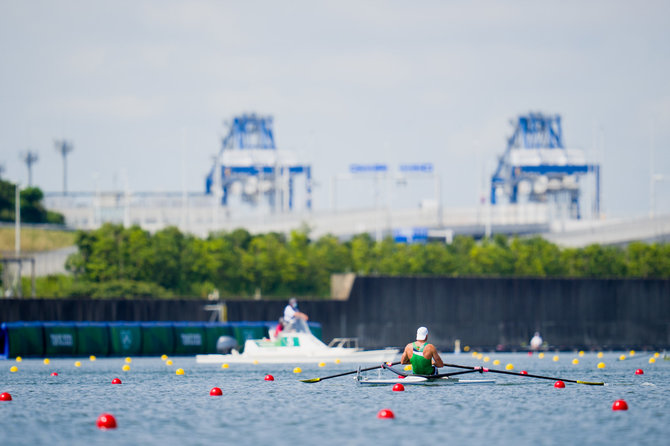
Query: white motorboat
x=300 y=347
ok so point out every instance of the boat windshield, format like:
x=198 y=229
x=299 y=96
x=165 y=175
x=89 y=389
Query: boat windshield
x=299 y=326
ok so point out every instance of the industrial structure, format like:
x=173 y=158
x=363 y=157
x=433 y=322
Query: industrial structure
x=249 y=165
x=539 y=168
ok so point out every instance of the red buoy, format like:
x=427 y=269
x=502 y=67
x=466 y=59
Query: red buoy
x=106 y=421
x=530 y=353
x=116 y=381
x=54 y=373
x=620 y=405
x=385 y=413
x=269 y=378
x=397 y=387
x=4 y=396
x=523 y=372
x=639 y=372
x=401 y=376
x=215 y=392
x=559 y=384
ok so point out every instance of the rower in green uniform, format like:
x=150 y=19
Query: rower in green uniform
x=423 y=356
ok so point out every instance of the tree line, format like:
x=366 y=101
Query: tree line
x=118 y=261
x=30 y=204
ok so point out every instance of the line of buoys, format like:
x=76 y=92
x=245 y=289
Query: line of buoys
x=269 y=378
x=106 y=421
x=620 y=405
x=385 y=413
x=559 y=384
x=116 y=381
x=4 y=396
x=215 y=392
x=397 y=387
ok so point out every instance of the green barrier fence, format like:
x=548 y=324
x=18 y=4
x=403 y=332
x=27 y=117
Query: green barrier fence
x=189 y=338
x=60 y=339
x=23 y=339
x=125 y=338
x=92 y=338
x=157 y=338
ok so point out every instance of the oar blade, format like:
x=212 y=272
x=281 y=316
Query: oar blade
x=590 y=383
x=313 y=380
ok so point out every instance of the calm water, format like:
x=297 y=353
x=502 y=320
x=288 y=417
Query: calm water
x=155 y=406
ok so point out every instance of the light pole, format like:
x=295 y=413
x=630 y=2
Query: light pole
x=64 y=147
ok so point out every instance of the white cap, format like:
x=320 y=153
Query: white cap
x=421 y=334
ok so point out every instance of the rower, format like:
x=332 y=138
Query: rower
x=536 y=341
x=423 y=356
x=294 y=319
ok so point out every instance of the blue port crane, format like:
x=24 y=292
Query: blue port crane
x=538 y=166
x=250 y=165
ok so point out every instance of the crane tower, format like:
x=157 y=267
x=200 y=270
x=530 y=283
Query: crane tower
x=249 y=165
x=538 y=166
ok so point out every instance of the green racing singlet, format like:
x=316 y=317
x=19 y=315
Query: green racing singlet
x=420 y=365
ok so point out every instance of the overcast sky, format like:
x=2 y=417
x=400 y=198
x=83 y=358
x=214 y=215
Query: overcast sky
x=142 y=87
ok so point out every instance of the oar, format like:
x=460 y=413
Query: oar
x=481 y=369
x=316 y=380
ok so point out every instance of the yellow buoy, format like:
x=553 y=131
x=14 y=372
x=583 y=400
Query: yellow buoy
x=600 y=355
x=46 y=361
x=540 y=355
x=509 y=367
x=297 y=370
x=224 y=366
x=255 y=361
x=92 y=358
x=656 y=355
x=601 y=365
x=337 y=361
x=466 y=348
x=407 y=367
x=168 y=362
x=496 y=362
x=77 y=363
x=126 y=367
x=164 y=357
x=486 y=359
x=19 y=359
x=179 y=372
x=581 y=353
x=575 y=361
x=322 y=364
x=129 y=360
x=632 y=352
x=14 y=369
x=474 y=353
x=555 y=358
x=652 y=360
x=622 y=357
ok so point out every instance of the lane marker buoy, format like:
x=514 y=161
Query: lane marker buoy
x=601 y=365
x=620 y=405
x=169 y=362
x=322 y=364
x=54 y=373
x=385 y=413
x=4 y=396
x=129 y=359
x=397 y=387
x=297 y=370
x=179 y=372
x=639 y=372
x=116 y=381
x=652 y=360
x=106 y=421
x=540 y=355
x=269 y=378
x=600 y=355
x=215 y=392
x=337 y=361
x=496 y=362
x=224 y=366
x=164 y=357
x=126 y=368
x=523 y=372
x=92 y=358
x=559 y=384
x=575 y=361
x=77 y=363
x=555 y=358
x=13 y=369
x=509 y=367
x=46 y=361
x=19 y=359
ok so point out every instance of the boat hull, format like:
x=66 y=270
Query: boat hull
x=419 y=380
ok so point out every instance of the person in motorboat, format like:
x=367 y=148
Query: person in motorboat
x=536 y=341
x=294 y=319
x=423 y=356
